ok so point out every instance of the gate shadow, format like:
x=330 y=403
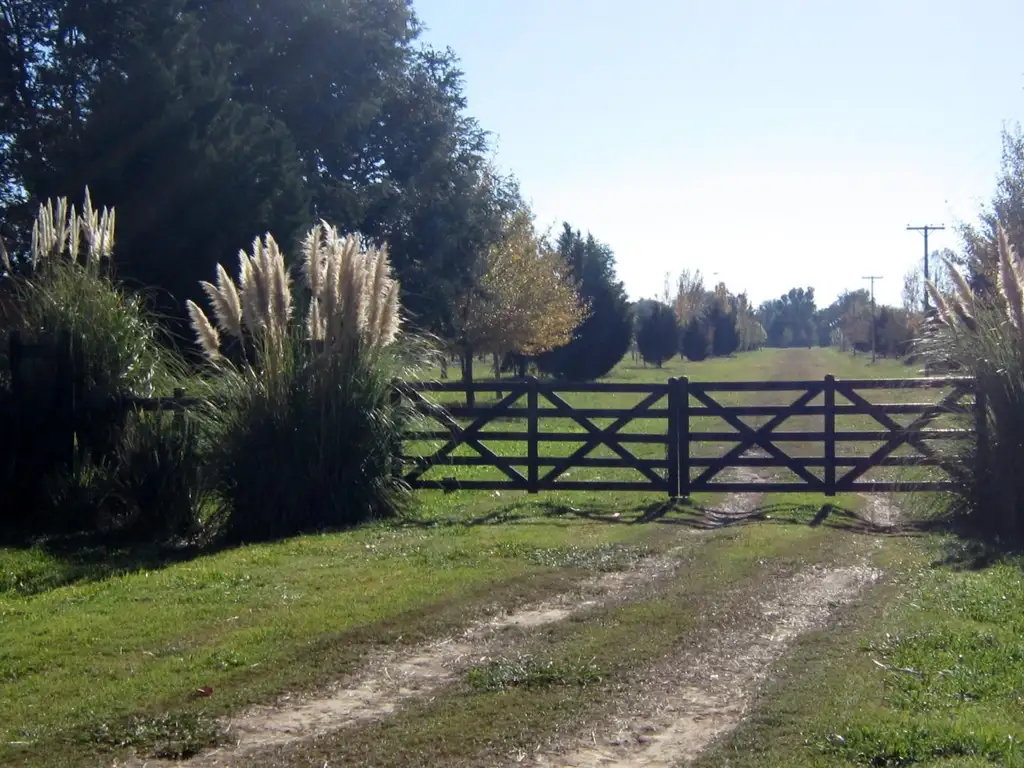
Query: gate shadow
x=687 y=514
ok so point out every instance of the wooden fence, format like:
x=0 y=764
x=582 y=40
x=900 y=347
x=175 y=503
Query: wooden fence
x=670 y=455
x=680 y=409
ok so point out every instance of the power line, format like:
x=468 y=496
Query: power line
x=872 y=278
x=926 y=229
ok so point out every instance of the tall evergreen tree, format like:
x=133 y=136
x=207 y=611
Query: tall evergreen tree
x=603 y=339
x=725 y=339
x=695 y=341
x=657 y=334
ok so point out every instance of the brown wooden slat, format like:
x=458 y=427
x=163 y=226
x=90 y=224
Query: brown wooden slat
x=937 y=382
x=755 y=386
x=587 y=462
x=452 y=484
x=708 y=436
x=544 y=437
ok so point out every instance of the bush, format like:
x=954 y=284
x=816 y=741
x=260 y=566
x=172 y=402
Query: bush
x=657 y=334
x=695 y=342
x=983 y=335
x=63 y=285
x=307 y=429
x=152 y=490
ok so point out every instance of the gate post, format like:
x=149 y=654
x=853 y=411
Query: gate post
x=981 y=461
x=830 y=435
x=533 y=435
x=679 y=438
x=673 y=438
x=684 y=437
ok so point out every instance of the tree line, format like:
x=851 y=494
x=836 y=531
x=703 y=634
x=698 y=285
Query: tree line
x=203 y=122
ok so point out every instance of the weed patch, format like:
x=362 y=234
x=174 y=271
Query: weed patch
x=524 y=671
x=172 y=735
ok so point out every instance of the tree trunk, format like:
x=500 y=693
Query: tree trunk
x=444 y=366
x=467 y=377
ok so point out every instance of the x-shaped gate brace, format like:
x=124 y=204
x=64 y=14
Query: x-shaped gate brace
x=902 y=434
x=604 y=437
x=464 y=436
x=748 y=437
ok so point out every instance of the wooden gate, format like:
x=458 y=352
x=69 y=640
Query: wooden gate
x=844 y=436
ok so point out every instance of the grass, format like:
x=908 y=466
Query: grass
x=102 y=652
x=928 y=671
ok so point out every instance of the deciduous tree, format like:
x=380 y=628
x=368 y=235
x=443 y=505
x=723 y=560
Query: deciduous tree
x=524 y=299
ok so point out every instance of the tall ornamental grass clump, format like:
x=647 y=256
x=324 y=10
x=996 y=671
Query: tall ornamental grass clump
x=984 y=335
x=307 y=428
x=131 y=472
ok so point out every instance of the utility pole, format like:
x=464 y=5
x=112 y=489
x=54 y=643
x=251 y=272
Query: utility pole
x=872 y=278
x=926 y=229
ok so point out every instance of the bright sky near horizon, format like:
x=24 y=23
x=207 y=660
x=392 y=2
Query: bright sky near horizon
x=773 y=142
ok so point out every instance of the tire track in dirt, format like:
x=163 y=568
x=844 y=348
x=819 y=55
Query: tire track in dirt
x=390 y=678
x=692 y=700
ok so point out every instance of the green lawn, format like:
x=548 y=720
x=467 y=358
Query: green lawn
x=928 y=671
x=99 y=655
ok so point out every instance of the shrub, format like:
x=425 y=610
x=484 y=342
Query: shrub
x=307 y=427
x=657 y=334
x=984 y=336
x=695 y=341
x=64 y=285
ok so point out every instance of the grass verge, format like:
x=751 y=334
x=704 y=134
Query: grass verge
x=928 y=671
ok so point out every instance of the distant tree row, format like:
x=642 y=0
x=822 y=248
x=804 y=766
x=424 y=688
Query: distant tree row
x=695 y=323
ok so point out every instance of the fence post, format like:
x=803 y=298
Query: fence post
x=830 y=435
x=533 y=435
x=982 y=500
x=673 y=438
x=683 y=435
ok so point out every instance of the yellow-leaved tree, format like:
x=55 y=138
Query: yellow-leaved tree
x=523 y=300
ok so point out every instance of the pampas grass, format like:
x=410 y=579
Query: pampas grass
x=984 y=335
x=308 y=429
x=353 y=298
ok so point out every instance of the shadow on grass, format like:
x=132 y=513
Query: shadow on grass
x=31 y=567
x=685 y=513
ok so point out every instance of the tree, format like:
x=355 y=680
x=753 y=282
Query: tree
x=789 y=320
x=603 y=339
x=913 y=281
x=524 y=300
x=695 y=343
x=254 y=116
x=657 y=335
x=192 y=172
x=1006 y=208
x=725 y=340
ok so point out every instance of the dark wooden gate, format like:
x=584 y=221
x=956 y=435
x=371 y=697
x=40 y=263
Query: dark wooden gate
x=843 y=436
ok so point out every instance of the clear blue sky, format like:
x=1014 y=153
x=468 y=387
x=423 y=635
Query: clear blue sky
x=775 y=142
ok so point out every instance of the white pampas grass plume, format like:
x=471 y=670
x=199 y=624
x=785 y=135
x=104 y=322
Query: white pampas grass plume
x=313 y=259
x=944 y=314
x=1008 y=281
x=390 y=321
x=281 y=291
x=206 y=334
